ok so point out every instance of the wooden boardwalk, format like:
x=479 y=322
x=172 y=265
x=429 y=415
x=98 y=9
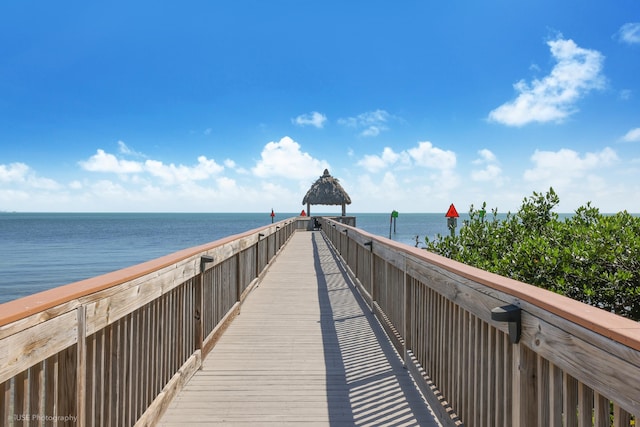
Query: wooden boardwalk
x=305 y=350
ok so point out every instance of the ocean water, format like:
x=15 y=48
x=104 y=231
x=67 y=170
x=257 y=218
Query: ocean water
x=39 y=251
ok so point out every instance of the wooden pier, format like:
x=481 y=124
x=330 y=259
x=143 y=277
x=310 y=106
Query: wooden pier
x=285 y=325
x=305 y=350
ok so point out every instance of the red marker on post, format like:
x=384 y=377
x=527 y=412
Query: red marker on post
x=452 y=222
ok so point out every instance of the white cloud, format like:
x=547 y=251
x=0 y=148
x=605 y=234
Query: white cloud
x=564 y=166
x=626 y=94
x=552 y=99
x=371 y=123
x=108 y=189
x=629 y=33
x=386 y=192
x=632 y=136
x=581 y=177
x=421 y=175
x=124 y=149
x=372 y=131
x=227 y=185
x=170 y=174
x=14 y=172
x=491 y=172
x=21 y=174
x=425 y=154
x=311 y=119
x=374 y=163
x=105 y=162
x=40 y=183
x=285 y=159
x=232 y=165
x=445 y=181
x=156 y=186
x=486 y=156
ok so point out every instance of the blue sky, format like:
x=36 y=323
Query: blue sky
x=239 y=106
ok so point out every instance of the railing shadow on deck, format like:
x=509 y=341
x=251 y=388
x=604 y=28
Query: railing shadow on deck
x=114 y=349
x=367 y=383
x=573 y=364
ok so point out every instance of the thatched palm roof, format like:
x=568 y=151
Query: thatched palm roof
x=326 y=191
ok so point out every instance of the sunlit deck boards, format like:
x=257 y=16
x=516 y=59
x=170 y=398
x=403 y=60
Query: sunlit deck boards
x=304 y=351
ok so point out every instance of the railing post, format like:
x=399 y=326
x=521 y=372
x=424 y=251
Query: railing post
x=238 y=281
x=258 y=255
x=81 y=367
x=524 y=387
x=371 y=271
x=198 y=303
x=346 y=240
x=406 y=309
x=198 y=338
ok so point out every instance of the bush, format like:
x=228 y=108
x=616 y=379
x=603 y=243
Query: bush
x=590 y=257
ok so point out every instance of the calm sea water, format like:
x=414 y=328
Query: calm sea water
x=39 y=251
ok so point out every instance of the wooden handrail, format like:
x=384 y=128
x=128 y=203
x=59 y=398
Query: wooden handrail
x=572 y=363
x=610 y=325
x=23 y=307
x=114 y=349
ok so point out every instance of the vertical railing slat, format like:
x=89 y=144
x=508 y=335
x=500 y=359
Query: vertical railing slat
x=81 y=368
x=6 y=411
x=133 y=376
x=555 y=395
x=570 y=400
x=67 y=382
x=500 y=400
x=585 y=406
x=51 y=384
x=491 y=395
x=20 y=399
x=470 y=370
x=100 y=386
x=36 y=379
x=621 y=418
x=459 y=361
x=601 y=411
x=544 y=382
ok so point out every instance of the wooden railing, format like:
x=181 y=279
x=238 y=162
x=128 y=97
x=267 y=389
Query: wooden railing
x=113 y=350
x=572 y=365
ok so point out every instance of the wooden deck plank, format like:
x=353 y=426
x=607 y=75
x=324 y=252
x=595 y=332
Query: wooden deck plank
x=304 y=351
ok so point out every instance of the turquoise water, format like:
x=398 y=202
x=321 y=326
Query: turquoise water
x=39 y=251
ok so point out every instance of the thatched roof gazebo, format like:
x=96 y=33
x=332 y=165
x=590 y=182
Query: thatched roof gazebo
x=326 y=191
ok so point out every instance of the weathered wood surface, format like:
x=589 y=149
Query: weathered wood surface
x=572 y=362
x=304 y=351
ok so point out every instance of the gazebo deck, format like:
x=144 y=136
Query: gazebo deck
x=304 y=351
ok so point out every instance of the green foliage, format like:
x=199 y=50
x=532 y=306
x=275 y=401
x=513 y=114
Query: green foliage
x=590 y=257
